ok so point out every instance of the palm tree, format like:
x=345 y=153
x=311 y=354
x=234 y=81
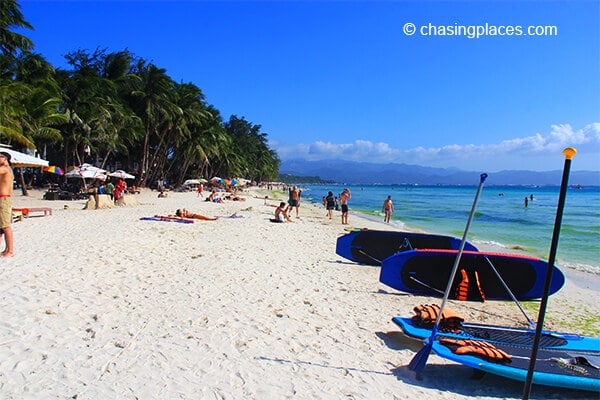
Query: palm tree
x=115 y=126
x=254 y=158
x=41 y=100
x=85 y=93
x=11 y=43
x=30 y=103
x=12 y=112
x=152 y=104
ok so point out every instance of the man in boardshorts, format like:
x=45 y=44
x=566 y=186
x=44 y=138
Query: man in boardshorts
x=344 y=202
x=387 y=209
x=6 y=190
x=293 y=201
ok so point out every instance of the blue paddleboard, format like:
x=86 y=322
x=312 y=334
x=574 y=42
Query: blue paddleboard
x=426 y=272
x=371 y=247
x=563 y=360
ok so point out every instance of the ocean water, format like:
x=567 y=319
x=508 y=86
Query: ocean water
x=501 y=217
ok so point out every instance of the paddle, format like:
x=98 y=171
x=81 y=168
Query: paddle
x=420 y=359
x=510 y=293
x=569 y=152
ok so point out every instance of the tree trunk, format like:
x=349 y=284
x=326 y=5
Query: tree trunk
x=23 y=186
x=108 y=152
x=142 y=179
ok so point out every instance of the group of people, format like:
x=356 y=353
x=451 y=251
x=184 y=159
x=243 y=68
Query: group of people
x=331 y=203
x=283 y=211
x=216 y=197
x=115 y=191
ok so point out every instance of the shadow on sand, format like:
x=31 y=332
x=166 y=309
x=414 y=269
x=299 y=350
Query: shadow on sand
x=444 y=377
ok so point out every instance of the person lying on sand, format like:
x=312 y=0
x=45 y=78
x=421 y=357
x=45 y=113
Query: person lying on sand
x=184 y=213
x=234 y=198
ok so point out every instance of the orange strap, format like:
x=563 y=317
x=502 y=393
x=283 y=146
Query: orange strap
x=462 y=290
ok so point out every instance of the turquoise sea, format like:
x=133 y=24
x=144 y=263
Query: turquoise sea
x=501 y=217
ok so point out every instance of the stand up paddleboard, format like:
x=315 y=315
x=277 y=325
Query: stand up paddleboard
x=563 y=360
x=426 y=271
x=372 y=247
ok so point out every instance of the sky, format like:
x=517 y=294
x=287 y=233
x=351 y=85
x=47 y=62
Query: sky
x=473 y=85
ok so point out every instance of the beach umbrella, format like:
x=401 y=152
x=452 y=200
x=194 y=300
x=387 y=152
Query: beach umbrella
x=569 y=152
x=87 y=171
x=22 y=160
x=121 y=174
x=420 y=359
x=192 y=182
x=53 y=169
x=202 y=180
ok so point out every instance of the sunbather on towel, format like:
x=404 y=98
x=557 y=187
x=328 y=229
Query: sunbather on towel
x=184 y=213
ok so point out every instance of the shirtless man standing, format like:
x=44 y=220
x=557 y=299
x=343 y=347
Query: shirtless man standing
x=344 y=202
x=293 y=201
x=388 y=209
x=6 y=189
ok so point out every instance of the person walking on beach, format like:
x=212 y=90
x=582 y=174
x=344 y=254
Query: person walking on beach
x=6 y=190
x=344 y=202
x=387 y=209
x=329 y=204
x=293 y=201
x=200 y=190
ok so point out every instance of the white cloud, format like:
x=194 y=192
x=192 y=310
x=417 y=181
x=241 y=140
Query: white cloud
x=536 y=152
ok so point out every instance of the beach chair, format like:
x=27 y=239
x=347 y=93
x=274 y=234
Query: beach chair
x=17 y=216
x=26 y=212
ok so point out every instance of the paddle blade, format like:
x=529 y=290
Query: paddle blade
x=419 y=361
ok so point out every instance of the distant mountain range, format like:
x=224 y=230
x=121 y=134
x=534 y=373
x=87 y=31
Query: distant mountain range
x=353 y=172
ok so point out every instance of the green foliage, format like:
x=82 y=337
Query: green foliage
x=115 y=109
x=12 y=43
x=291 y=179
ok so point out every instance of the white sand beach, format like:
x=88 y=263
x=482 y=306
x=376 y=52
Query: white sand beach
x=98 y=304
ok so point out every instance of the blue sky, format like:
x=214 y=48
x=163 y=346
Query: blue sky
x=336 y=79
